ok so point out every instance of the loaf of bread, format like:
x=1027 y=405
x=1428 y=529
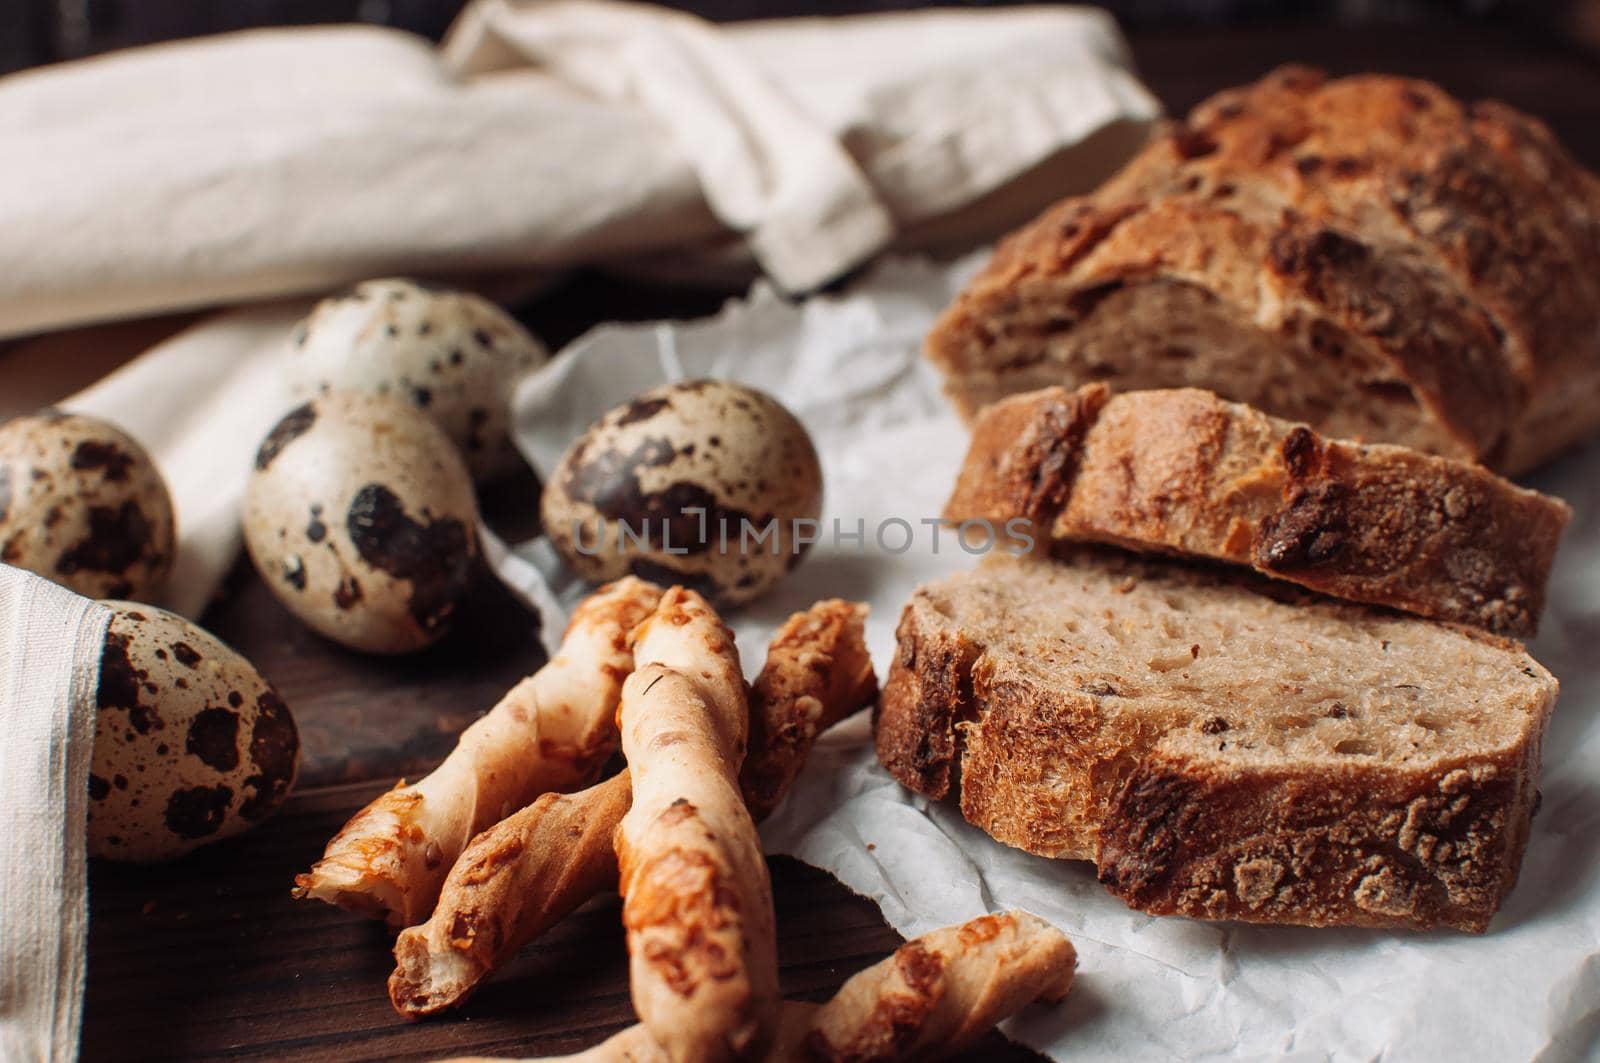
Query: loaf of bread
x=1366 y=255
x=1221 y=745
x=1183 y=472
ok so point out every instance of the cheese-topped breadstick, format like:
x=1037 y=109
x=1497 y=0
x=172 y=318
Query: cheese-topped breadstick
x=936 y=995
x=942 y=991
x=515 y=881
x=552 y=732
x=697 y=902
x=817 y=672
x=521 y=876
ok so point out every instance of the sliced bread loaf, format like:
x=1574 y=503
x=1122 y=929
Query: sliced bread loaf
x=1364 y=254
x=1222 y=746
x=1184 y=472
x=1486 y=193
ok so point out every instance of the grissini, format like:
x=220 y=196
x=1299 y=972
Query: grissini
x=521 y=876
x=940 y=992
x=514 y=882
x=817 y=672
x=551 y=732
x=1182 y=472
x=697 y=900
x=935 y=996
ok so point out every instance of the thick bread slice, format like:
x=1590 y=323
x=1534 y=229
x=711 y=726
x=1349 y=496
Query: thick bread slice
x=1222 y=746
x=1184 y=472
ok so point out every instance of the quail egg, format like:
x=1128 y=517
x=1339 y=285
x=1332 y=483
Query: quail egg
x=360 y=517
x=191 y=745
x=450 y=353
x=706 y=483
x=82 y=504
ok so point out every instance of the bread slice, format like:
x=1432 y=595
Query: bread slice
x=1223 y=747
x=1184 y=472
x=1367 y=255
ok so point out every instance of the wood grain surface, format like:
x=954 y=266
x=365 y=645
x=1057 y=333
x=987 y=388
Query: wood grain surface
x=209 y=958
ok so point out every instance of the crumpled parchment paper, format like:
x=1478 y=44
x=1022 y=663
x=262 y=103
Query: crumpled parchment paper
x=1149 y=988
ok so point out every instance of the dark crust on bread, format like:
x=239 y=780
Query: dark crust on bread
x=927 y=693
x=1367 y=847
x=1024 y=457
x=1182 y=472
x=1441 y=343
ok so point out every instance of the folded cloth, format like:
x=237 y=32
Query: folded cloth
x=543 y=134
x=50 y=644
x=200 y=403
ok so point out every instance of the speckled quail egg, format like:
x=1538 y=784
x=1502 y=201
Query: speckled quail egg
x=191 y=745
x=451 y=353
x=82 y=504
x=700 y=483
x=360 y=516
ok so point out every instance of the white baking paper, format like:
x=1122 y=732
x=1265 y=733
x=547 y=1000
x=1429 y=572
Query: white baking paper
x=1149 y=988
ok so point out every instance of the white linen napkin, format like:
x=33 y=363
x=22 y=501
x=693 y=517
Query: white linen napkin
x=200 y=403
x=50 y=645
x=277 y=162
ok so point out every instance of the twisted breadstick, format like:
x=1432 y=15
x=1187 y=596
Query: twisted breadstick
x=817 y=672
x=553 y=731
x=521 y=876
x=940 y=992
x=697 y=902
x=515 y=881
x=934 y=997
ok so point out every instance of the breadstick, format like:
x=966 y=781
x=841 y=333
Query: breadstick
x=934 y=997
x=942 y=991
x=553 y=731
x=522 y=875
x=697 y=902
x=817 y=673
x=515 y=881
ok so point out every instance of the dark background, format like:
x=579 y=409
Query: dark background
x=42 y=31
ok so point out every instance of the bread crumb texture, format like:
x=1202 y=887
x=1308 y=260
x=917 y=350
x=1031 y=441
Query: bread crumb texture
x=1222 y=746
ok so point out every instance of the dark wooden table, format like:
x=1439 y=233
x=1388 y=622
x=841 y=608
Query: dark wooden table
x=210 y=958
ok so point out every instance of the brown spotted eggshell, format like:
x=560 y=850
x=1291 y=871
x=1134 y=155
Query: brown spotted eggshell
x=452 y=354
x=679 y=460
x=360 y=516
x=82 y=504
x=191 y=744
